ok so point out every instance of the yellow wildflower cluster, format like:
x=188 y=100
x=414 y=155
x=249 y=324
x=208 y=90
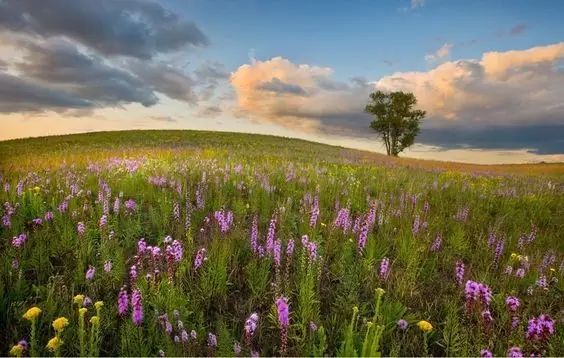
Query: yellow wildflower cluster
x=32 y=313
x=17 y=350
x=425 y=326
x=54 y=343
x=78 y=299
x=60 y=323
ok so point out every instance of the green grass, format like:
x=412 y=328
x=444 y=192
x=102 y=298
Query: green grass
x=271 y=177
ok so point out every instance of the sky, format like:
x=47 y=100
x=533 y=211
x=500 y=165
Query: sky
x=489 y=74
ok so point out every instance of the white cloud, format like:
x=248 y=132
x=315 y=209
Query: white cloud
x=442 y=53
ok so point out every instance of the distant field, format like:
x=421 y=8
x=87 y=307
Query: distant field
x=188 y=243
x=22 y=153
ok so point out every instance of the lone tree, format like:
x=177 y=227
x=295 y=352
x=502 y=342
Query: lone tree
x=396 y=120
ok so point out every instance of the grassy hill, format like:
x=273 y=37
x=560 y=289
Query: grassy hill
x=22 y=153
x=188 y=243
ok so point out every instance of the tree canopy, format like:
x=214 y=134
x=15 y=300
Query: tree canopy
x=396 y=120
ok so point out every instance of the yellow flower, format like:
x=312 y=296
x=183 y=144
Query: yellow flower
x=380 y=291
x=98 y=304
x=17 y=350
x=95 y=320
x=36 y=188
x=425 y=326
x=32 y=313
x=60 y=323
x=78 y=299
x=82 y=311
x=54 y=343
x=514 y=256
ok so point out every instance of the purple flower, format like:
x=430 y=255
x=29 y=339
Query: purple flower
x=459 y=272
x=270 y=236
x=485 y=353
x=520 y=273
x=362 y=236
x=499 y=250
x=254 y=235
x=290 y=249
x=276 y=251
x=542 y=283
x=437 y=243
x=224 y=220
x=193 y=334
x=514 y=352
x=37 y=221
x=343 y=220
x=130 y=206
x=487 y=316
x=212 y=340
x=80 y=228
x=540 y=328
x=133 y=272
x=251 y=324
x=416 y=225
x=200 y=258
x=512 y=303
x=312 y=326
x=236 y=348
x=384 y=269
x=123 y=302
x=15 y=264
x=175 y=251
x=116 y=206
x=87 y=301
x=184 y=336
x=136 y=304
x=107 y=266
x=402 y=324
x=90 y=273
x=19 y=241
x=477 y=292
x=103 y=221
x=282 y=308
x=314 y=212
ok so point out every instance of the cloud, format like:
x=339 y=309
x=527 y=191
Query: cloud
x=166 y=79
x=417 y=3
x=503 y=87
x=94 y=54
x=299 y=96
x=275 y=85
x=505 y=94
x=518 y=29
x=20 y=95
x=62 y=66
x=164 y=119
x=441 y=54
x=132 y=28
x=209 y=112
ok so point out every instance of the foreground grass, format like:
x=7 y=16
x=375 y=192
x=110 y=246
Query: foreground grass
x=357 y=222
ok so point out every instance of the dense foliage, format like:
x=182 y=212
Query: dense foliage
x=240 y=245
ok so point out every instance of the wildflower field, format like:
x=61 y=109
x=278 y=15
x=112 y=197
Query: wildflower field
x=185 y=243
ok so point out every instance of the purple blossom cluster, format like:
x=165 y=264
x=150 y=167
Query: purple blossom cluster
x=19 y=241
x=540 y=328
x=201 y=256
x=137 y=307
x=343 y=220
x=436 y=246
x=477 y=294
x=459 y=272
x=384 y=269
x=224 y=220
x=310 y=248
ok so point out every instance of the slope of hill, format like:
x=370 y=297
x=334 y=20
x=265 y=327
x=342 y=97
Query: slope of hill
x=184 y=243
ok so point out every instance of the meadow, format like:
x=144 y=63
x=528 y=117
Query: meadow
x=186 y=243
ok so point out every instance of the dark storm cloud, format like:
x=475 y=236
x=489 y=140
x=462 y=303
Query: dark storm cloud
x=132 y=28
x=20 y=95
x=100 y=53
x=163 y=78
x=62 y=65
x=278 y=86
x=539 y=139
